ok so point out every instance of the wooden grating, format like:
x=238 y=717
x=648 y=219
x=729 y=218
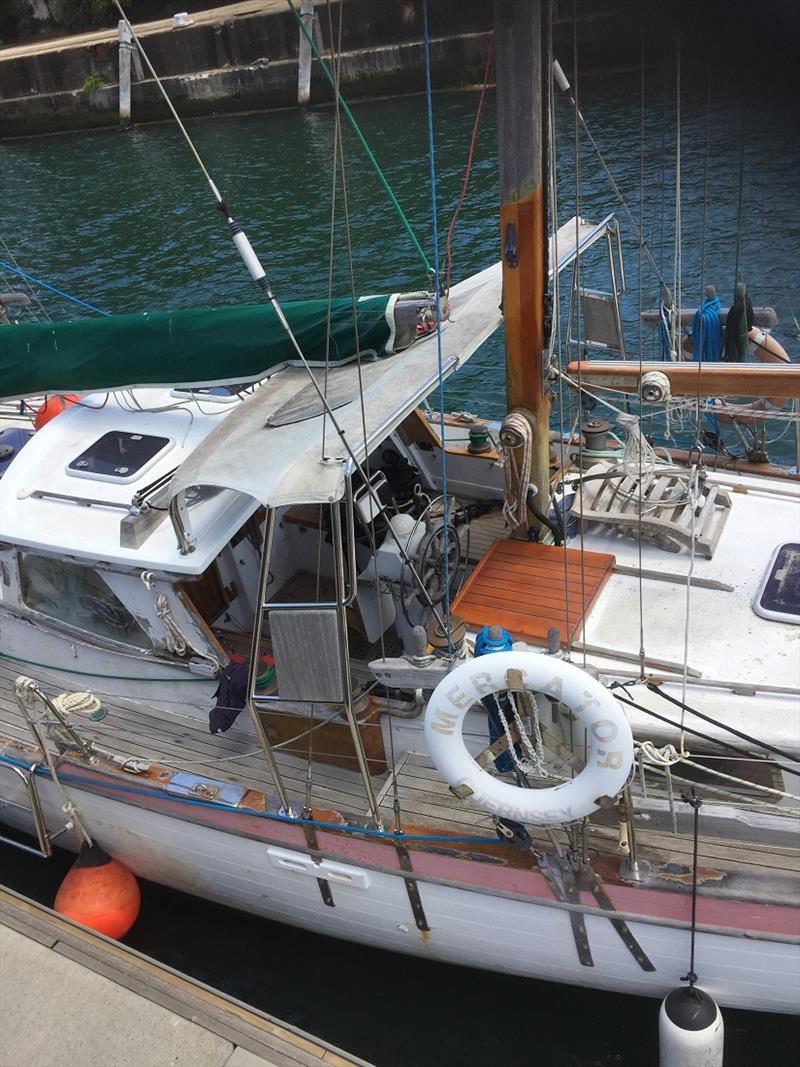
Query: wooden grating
x=527 y=588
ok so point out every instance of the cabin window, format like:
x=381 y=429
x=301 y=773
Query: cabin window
x=118 y=456
x=779 y=595
x=78 y=596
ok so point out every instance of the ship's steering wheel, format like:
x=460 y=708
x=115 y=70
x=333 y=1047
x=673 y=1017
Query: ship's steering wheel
x=440 y=561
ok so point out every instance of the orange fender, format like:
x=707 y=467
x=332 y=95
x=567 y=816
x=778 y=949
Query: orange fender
x=99 y=893
x=53 y=406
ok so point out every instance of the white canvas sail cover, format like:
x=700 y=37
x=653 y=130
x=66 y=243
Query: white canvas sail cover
x=271 y=448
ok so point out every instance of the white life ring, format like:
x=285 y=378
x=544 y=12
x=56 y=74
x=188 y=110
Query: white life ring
x=609 y=741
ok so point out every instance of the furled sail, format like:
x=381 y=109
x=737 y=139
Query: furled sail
x=209 y=346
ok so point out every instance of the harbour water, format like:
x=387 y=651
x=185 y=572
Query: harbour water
x=125 y=221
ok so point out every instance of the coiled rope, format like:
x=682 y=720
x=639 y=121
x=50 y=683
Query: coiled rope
x=515 y=433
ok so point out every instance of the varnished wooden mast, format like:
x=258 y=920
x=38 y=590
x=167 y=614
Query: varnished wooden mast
x=521 y=72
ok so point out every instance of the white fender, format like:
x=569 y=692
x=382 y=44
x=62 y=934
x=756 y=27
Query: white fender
x=691 y=1031
x=768 y=350
x=766 y=347
x=609 y=754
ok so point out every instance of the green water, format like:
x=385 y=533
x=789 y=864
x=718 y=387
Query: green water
x=126 y=220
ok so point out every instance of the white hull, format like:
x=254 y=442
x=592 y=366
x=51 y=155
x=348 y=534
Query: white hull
x=467 y=927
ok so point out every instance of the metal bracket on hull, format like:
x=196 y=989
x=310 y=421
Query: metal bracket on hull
x=561 y=880
x=414 y=898
x=310 y=834
x=587 y=879
x=564 y=885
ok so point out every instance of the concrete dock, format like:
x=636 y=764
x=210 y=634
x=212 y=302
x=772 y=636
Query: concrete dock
x=72 y=998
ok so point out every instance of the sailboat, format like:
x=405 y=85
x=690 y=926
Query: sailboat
x=275 y=636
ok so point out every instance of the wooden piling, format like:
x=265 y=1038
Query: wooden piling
x=125 y=49
x=304 y=53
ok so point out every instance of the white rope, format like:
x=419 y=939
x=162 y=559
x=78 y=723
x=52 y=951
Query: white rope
x=535 y=754
x=176 y=642
x=668 y=756
x=515 y=433
x=82 y=703
x=639 y=459
x=665 y=756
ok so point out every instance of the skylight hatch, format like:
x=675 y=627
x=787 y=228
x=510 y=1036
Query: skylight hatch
x=119 y=456
x=778 y=596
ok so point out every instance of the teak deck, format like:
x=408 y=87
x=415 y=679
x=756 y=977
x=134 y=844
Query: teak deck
x=528 y=588
x=425 y=799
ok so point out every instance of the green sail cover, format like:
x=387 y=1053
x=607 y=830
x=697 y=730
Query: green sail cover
x=199 y=347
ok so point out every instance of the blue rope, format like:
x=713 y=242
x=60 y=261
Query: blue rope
x=52 y=288
x=432 y=164
x=344 y=827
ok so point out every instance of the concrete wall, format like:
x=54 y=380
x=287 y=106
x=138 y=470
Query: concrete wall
x=244 y=63
x=236 y=61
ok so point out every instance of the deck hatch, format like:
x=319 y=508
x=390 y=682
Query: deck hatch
x=778 y=596
x=118 y=456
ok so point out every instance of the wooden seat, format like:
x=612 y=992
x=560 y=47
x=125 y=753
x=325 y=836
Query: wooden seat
x=528 y=588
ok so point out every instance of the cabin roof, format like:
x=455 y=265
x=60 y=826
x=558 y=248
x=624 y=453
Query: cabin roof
x=45 y=506
x=270 y=452
x=273 y=449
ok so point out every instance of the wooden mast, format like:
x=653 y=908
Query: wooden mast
x=521 y=73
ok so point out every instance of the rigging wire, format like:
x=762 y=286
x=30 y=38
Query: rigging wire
x=437 y=294
x=556 y=336
x=448 y=255
x=175 y=115
x=739 y=203
x=676 y=266
x=334 y=188
x=357 y=130
x=370 y=526
x=573 y=99
x=640 y=451
x=59 y=292
x=694 y=801
x=577 y=302
x=31 y=290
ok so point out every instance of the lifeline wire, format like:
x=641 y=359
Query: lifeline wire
x=269 y=816
x=31 y=290
x=434 y=223
x=697 y=733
